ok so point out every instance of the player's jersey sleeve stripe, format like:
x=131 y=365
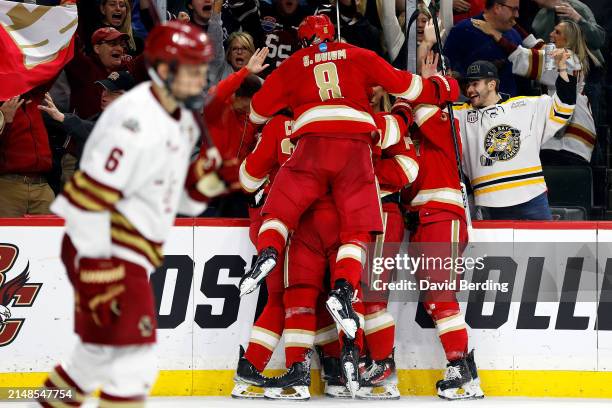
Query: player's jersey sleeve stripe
x=257 y=118
x=581 y=134
x=102 y=192
x=414 y=90
x=248 y=182
x=423 y=113
x=392 y=132
x=82 y=199
x=125 y=234
x=409 y=165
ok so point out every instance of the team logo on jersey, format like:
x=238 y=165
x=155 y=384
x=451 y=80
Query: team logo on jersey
x=14 y=293
x=501 y=143
x=472 y=116
x=268 y=23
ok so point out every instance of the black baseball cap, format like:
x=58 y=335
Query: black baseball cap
x=118 y=81
x=480 y=70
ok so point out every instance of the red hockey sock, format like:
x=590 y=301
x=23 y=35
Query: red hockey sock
x=59 y=378
x=266 y=332
x=349 y=264
x=300 y=322
x=272 y=233
x=451 y=328
x=379 y=331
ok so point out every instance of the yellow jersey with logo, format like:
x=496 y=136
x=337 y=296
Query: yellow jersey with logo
x=501 y=146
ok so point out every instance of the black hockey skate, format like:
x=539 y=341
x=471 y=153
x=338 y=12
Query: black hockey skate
x=293 y=385
x=475 y=385
x=331 y=375
x=340 y=306
x=458 y=382
x=349 y=364
x=379 y=380
x=266 y=261
x=248 y=382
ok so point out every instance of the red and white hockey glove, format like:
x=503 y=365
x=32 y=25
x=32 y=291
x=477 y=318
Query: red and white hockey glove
x=448 y=88
x=402 y=108
x=203 y=182
x=100 y=288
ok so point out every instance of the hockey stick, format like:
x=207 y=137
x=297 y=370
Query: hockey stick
x=451 y=117
x=338 y=19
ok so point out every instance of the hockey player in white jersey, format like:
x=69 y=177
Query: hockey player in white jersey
x=502 y=138
x=136 y=174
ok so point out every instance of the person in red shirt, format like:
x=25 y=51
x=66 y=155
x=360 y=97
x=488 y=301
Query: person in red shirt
x=326 y=86
x=226 y=116
x=109 y=54
x=25 y=157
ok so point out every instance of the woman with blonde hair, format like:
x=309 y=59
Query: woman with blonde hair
x=573 y=144
x=118 y=14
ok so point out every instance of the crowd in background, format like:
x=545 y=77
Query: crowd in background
x=43 y=132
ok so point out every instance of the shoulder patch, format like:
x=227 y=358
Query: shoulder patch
x=131 y=124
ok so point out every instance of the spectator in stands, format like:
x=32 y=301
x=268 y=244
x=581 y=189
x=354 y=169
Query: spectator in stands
x=25 y=157
x=207 y=15
x=239 y=51
x=573 y=144
x=357 y=30
x=109 y=54
x=501 y=140
x=77 y=129
x=112 y=13
x=466 y=43
x=226 y=116
x=551 y=13
x=463 y=9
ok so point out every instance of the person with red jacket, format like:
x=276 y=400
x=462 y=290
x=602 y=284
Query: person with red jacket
x=328 y=95
x=25 y=157
x=226 y=116
x=110 y=54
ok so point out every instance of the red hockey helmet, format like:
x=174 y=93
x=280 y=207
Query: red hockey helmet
x=316 y=29
x=178 y=42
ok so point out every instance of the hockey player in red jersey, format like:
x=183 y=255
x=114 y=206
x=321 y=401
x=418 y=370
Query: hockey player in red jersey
x=438 y=217
x=326 y=87
x=257 y=174
x=395 y=167
x=119 y=207
x=312 y=249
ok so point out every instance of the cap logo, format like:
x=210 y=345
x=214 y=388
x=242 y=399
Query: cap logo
x=113 y=76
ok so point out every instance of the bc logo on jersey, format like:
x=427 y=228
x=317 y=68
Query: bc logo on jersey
x=501 y=143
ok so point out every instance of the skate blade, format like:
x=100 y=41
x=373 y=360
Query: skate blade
x=348 y=326
x=251 y=283
x=296 y=393
x=349 y=373
x=337 y=391
x=247 y=391
x=379 y=392
x=453 y=394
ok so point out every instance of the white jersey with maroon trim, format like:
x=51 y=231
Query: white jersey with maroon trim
x=130 y=186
